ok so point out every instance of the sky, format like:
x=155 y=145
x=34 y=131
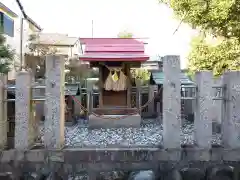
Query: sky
x=143 y=18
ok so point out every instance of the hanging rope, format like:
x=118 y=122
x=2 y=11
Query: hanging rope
x=115 y=82
x=137 y=111
x=121 y=79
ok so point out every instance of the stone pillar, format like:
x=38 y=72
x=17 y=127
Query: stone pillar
x=3 y=112
x=24 y=119
x=77 y=107
x=138 y=94
x=204 y=107
x=218 y=104
x=54 y=103
x=89 y=96
x=69 y=110
x=171 y=102
x=231 y=120
x=159 y=112
x=150 y=97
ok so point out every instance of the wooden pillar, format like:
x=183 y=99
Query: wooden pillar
x=89 y=96
x=101 y=86
x=138 y=95
x=129 y=86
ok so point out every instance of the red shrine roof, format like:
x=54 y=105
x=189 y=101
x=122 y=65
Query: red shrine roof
x=113 y=49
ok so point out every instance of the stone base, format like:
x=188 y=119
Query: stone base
x=105 y=121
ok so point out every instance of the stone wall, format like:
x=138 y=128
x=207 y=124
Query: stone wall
x=73 y=161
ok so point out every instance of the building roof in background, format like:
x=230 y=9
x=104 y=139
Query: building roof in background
x=7 y=11
x=153 y=63
x=55 y=39
x=33 y=23
x=156 y=58
x=150 y=66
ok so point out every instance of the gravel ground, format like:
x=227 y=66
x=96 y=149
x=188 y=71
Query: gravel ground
x=149 y=134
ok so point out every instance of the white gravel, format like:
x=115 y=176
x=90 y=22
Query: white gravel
x=148 y=135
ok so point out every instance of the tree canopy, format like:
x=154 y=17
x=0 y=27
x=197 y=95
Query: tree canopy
x=216 y=57
x=6 y=56
x=218 y=18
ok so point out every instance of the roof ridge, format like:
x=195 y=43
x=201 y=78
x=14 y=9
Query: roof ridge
x=26 y=16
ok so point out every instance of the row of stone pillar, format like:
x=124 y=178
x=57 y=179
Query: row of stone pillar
x=206 y=107
x=26 y=127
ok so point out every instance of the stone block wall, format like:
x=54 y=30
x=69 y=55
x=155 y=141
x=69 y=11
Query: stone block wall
x=75 y=161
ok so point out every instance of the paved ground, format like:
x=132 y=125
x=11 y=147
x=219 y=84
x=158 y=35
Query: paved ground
x=149 y=134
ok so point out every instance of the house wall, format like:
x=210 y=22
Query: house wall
x=15 y=40
x=68 y=50
x=77 y=50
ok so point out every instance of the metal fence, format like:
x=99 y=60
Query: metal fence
x=154 y=108
x=90 y=99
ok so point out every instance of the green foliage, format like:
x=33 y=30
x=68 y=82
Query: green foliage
x=6 y=56
x=142 y=74
x=218 y=58
x=219 y=17
x=125 y=34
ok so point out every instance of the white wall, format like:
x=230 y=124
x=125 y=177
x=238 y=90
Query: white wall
x=77 y=48
x=15 y=41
